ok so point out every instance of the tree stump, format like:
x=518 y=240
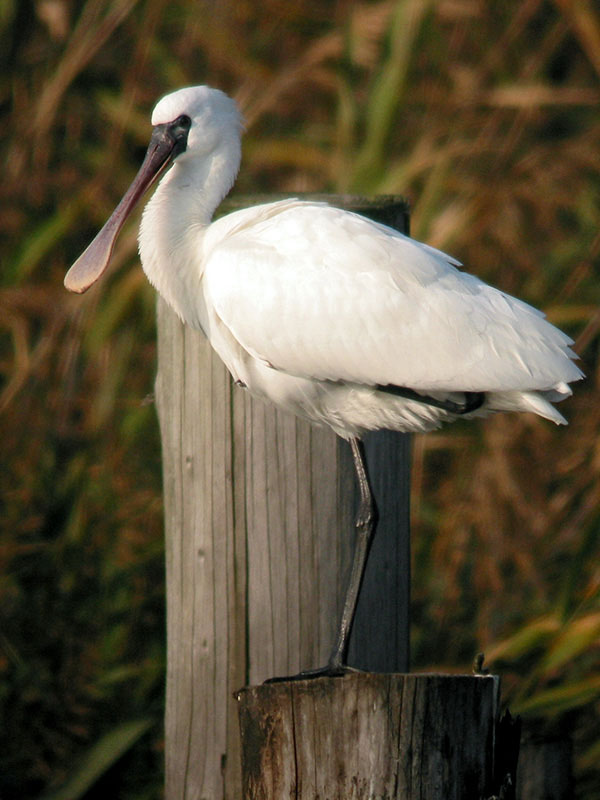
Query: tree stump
x=370 y=737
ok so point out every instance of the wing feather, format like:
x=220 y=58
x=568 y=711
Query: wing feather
x=323 y=293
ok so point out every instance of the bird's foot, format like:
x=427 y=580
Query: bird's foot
x=331 y=670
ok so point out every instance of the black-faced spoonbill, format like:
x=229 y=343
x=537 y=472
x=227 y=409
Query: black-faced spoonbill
x=341 y=320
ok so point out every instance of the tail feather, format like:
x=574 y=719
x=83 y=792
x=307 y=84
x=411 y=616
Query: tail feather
x=539 y=403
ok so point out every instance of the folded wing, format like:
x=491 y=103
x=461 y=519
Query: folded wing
x=322 y=293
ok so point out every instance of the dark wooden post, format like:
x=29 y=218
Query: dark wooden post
x=368 y=736
x=545 y=767
x=259 y=540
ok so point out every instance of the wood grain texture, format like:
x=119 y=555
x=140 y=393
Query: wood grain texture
x=368 y=737
x=259 y=530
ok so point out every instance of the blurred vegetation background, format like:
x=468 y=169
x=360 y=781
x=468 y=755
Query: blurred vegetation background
x=486 y=116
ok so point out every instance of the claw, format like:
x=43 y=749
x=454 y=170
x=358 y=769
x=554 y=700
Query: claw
x=328 y=671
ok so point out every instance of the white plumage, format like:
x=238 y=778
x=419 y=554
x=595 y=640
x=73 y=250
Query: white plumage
x=322 y=311
x=311 y=307
x=320 y=294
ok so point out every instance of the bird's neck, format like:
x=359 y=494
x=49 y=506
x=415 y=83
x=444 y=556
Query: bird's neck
x=174 y=223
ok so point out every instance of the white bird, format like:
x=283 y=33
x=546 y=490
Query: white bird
x=341 y=320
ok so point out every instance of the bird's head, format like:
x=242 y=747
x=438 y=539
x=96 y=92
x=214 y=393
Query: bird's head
x=188 y=123
x=209 y=114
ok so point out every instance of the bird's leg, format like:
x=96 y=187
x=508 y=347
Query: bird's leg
x=366 y=520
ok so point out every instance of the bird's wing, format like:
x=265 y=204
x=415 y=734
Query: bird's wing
x=326 y=294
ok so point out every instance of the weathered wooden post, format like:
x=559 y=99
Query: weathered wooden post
x=259 y=527
x=259 y=540
x=370 y=736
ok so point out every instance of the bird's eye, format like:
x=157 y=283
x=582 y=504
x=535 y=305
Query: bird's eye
x=179 y=130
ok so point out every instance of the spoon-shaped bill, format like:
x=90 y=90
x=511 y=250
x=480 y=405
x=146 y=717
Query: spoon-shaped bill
x=94 y=260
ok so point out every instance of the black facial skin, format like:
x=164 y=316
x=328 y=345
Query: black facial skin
x=177 y=131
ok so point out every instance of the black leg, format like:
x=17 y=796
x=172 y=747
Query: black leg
x=366 y=520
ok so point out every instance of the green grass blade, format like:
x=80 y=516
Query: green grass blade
x=526 y=641
x=560 y=699
x=39 y=244
x=578 y=637
x=106 y=752
x=387 y=91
